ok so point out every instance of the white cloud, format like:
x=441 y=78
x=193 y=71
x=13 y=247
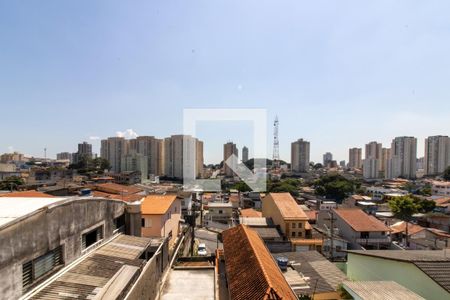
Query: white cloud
x=94 y=138
x=128 y=133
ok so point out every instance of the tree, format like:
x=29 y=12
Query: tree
x=403 y=208
x=241 y=187
x=317 y=166
x=11 y=183
x=447 y=173
x=335 y=187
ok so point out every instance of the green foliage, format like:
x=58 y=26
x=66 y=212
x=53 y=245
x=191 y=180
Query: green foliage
x=289 y=185
x=335 y=187
x=425 y=191
x=317 y=166
x=241 y=187
x=404 y=207
x=447 y=173
x=91 y=165
x=11 y=183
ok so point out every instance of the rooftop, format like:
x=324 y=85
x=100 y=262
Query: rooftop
x=434 y=263
x=256 y=221
x=251 y=270
x=401 y=227
x=157 y=204
x=317 y=269
x=115 y=188
x=127 y=198
x=250 y=212
x=288 y=207
x=184 y=284
x=359 y=220
x=27 y=194
x=117 y=260
x=379 y=290
x=12 y=208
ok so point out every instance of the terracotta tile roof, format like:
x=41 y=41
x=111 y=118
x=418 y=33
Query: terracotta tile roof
x=157 y=204
x=27 y=194
x=305 y=242
x=359 y=220
x=311 y=214
x=234 y=198
x=250 y=213
x=401 y=227
x=115 y=188
x=127 y=198
x=287 y=206
x=252 y=272
x=442 y=201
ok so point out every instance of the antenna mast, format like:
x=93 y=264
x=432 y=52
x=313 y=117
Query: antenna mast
x=276 y=145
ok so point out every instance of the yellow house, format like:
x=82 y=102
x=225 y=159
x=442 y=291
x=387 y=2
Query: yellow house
x=293 y=221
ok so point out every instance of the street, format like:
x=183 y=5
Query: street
x=208 y=238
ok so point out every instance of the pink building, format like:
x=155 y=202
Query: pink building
x=161 y=216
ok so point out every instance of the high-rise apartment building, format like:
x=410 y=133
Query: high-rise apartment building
x=84 y=152
x=300 y=156
x=176 y=157
x=385 y=156
x=112 y=149
x=354 y=158
x=373 y=156
x=403 y=158
x=153 y=149
x=244 y=154
x=135 y=162
x=64 y=156
x=327 y=158
x=437 y=154
x=228 y=150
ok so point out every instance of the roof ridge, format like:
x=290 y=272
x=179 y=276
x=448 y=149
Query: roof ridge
x=258 y=258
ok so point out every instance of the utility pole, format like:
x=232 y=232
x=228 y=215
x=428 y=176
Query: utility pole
x=193 y=221
x=331 y=219
x=276 y=145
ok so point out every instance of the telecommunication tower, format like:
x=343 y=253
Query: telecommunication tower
x=276 y=145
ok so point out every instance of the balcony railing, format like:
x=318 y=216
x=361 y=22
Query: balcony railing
x=373 y=241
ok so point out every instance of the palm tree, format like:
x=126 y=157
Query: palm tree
x=403 y=208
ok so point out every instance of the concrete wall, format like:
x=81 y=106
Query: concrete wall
x=148 y=284
x=35 y=235
x=361 y=267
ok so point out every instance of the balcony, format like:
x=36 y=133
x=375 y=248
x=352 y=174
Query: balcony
x=372 y=241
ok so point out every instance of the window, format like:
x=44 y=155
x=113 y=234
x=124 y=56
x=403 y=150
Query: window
x=299 y=234
x=38 y=267
x=364 y=235
x=90 y=238
x=293 y=234
x=119 y=223
x=293 y=225
x=299 y=225
x=143 y=222
x=220 y=211
x=338 y=248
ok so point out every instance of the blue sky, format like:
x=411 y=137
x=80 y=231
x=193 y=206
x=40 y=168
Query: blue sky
x=337 y=73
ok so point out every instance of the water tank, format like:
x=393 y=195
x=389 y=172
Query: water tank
x=282 y=263
x=85 y=192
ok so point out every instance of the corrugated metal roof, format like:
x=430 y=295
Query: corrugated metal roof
x=323 y=275
x=380 y=290
x=87 y=278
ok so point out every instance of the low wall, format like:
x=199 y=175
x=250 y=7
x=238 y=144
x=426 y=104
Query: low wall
x=147 y=285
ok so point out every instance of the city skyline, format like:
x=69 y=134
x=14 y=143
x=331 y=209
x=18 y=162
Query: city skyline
x=325 y=70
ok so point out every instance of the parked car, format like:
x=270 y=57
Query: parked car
x=201 y=250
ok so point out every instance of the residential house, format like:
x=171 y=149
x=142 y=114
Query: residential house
x=291 y=219
x=219 y=212
x=251 y=271
x=360 y=229
x=161 y=216
x=426 y=273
